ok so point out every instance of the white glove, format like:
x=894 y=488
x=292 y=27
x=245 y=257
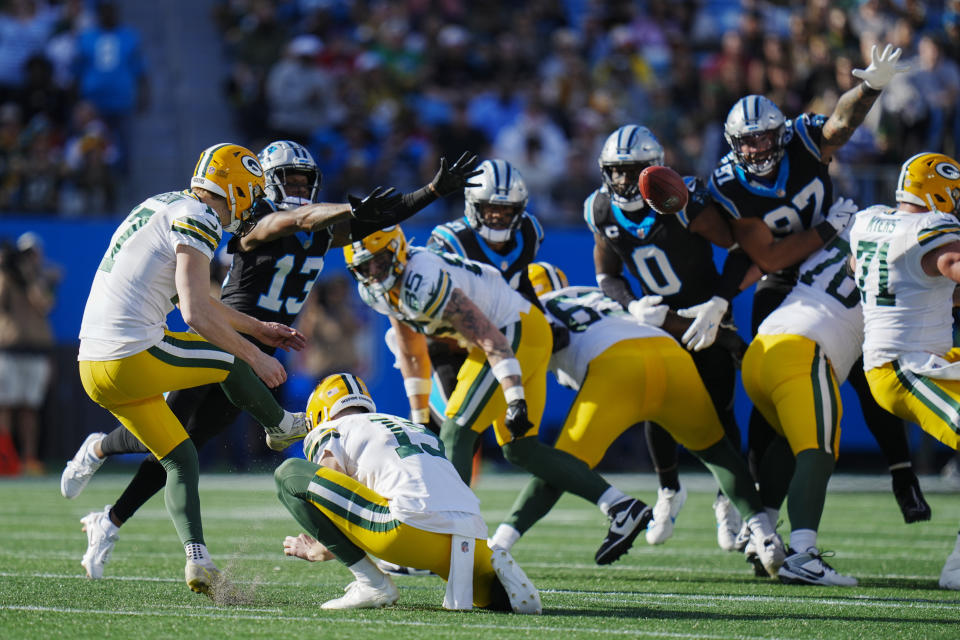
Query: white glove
x=706 y=322
x=841 y=213
x=882 y=67
x=648 y=310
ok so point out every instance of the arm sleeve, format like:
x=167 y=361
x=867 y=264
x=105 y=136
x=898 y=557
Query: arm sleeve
x=734 y=269
x=618 y=288
x=410 y=203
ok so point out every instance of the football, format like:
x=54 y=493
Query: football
x=663 y=189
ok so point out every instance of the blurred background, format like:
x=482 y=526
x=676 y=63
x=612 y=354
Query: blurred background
x=103 y=103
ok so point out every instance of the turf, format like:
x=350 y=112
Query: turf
x=687 y=588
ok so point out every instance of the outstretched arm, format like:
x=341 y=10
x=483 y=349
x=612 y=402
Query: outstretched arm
x=448 y=180
x=853 y=105
x=309 y=218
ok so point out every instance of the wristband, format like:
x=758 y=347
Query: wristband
x=420 y=416
x=416 y=386
x=506 y=368
x=826 y=231
x=514 y=393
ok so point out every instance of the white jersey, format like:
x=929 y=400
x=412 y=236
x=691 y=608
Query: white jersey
x=824 y=306
x=405 y=464
x=596 y=323
x=134 y=288
x=427 y=282
x=904 y=309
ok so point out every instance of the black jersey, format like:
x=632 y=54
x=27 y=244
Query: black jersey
x=271 y=281
x=459 y=238
x=795 y=198
x=661 y=253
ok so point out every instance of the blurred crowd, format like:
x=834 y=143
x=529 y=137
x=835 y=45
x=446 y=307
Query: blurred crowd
x=71 y=79
x=378 y=89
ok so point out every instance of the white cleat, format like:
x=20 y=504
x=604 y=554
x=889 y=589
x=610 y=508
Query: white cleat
x=202 y=576
x=524 y=597
x=364 y=596
x=78 y=471
x=950 y=576
x=669 y=503
x=728 y=523
x=281 y=440
x=101 y=536
x=809 y=568
x=769 y=550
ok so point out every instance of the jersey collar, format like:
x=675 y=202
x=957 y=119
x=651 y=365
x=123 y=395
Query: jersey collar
x=502 y=262
x=776 y=190
x=637 y=229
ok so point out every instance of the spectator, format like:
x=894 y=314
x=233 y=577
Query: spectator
x=27 y=288
x=111 y=73
x=300 y=94
x=24 y=30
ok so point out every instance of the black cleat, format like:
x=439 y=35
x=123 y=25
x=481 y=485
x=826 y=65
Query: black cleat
x=910 y=498
x=627 y=519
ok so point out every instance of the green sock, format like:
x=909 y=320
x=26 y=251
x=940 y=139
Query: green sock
x=776 y=470
x=808 y=489
x=534 y=502
x=293 y=478
x=731 y=471
x=458 y=444
x=245 y=390
x=182 y=493
x=557 y=468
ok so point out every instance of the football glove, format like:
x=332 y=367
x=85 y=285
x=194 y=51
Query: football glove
x=371 y=207
x=456 y=177
x=648 y=310
x=706 y=322
x=517 y=422
x=882 y=67
x=838 y=217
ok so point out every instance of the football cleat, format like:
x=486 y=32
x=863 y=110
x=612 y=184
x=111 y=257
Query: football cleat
x=202 y=576
x=669 y=503
x=524 y=597
x=627 y=519
x=280 y=441
x=950 y=576
x=910 y=499
x=809 y=568
x=769 y=552
x=101 y=536
x=728 y=523
x=364 y=596
x=78 y=471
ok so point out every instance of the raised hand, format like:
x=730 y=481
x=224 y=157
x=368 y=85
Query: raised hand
x=456 y=177
x=371 y=207
x=882 y=67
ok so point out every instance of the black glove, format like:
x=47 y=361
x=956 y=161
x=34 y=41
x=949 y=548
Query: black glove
x=517 y=421
x=455 y=178
x=370 y=208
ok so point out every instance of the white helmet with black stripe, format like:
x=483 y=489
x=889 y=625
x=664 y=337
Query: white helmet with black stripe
x=280 y=160
x=757 y=123
x=625 y=154
x=494 y=207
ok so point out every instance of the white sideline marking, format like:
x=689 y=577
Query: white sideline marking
x=381 y=622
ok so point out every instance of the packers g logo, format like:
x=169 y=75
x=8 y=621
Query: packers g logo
x=948 y=171
x=250 y=164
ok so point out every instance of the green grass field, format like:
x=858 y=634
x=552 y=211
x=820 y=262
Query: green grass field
x=687 y=588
